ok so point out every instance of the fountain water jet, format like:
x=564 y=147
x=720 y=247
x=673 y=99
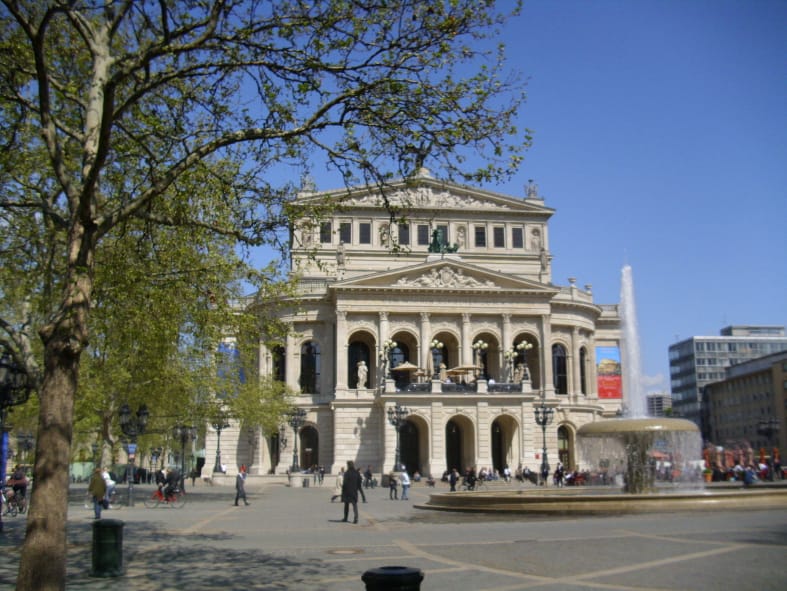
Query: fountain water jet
x=626 y=444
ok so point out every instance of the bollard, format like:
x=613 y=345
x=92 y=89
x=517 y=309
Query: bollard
x=393 y=578
x=107 y=548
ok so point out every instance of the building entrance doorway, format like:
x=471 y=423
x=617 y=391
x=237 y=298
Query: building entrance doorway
x=453 y=447
x=309 y=447
x=498 y=448
x=408 y=447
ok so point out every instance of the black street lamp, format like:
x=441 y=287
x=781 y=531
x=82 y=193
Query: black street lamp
x=184 y=433
x=132 y=426
x=544 y=416
x=436 y=346
x=768 y=428
x=397 y=415
x=219 y=423
x=296 y=421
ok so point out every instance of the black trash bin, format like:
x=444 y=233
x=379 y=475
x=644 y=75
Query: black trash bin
x=107 y=548
x=393 y=578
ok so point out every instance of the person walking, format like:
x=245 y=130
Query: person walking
x=337 y=488
x=240 y=486
x=360 y=488
x=351 y=484
x=404 y=477
x=453 y=478
x=392 y=484
x=97 y=489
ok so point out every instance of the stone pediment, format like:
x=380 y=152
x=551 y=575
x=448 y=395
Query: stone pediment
x=445 y=274
x=429 y=194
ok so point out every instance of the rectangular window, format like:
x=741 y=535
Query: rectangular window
x=499 y=236
x=345 y=232
x=423 y=234
x=443 y=233
x=325 y=232
x=517 y=238
x=404 y=234
x=365 y=233
x=480 y=236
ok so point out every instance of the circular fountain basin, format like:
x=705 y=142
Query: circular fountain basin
x=587 y=501
x=644 y=425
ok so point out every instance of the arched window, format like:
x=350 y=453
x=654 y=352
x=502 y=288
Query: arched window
x=279 y=364
x=559 y=373
x=310 y=368
x=399 y=355
x=583 y=370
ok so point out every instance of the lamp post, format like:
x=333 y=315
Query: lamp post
x=297 y=419
x=282 y=442
x=132 y=426
x=184 y=433
x=544 y=416
x=435 y=346
x=219 y=424
x=479 y=347
x=768 y=428
x=397 y=416
x=14 y=390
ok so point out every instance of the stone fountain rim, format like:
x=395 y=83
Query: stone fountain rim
x=632 y=425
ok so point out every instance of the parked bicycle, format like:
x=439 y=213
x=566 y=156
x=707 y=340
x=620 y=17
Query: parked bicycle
x=13 y=503
x=175 y=499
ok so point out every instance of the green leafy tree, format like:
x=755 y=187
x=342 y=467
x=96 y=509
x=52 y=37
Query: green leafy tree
x=111 y=111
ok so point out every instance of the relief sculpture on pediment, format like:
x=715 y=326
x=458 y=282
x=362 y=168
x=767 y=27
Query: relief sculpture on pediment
x=445 y=277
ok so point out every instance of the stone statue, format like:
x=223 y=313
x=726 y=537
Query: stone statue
x=340 y=257
x=439 y=245
x=363 y=372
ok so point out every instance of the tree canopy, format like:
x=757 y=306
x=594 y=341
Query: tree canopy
x=130 y=127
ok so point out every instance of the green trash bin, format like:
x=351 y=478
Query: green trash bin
x=107 y=548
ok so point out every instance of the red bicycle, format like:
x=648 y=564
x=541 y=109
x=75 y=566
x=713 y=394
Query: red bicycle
x=176 y=499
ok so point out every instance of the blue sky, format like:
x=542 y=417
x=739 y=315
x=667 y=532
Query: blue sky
x=661 y=140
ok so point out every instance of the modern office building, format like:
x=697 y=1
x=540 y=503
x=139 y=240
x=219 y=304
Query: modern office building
x=700 y=360
x=748 y=407
x=659 y=404
x=437 y=334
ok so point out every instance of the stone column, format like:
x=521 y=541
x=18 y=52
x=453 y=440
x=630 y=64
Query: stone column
x=341 y=350
x=293 y=359
x=575 y=360
x=426 y=337
x=466 y=345
x=508 y=343
x=591 y=370
x=382 y=336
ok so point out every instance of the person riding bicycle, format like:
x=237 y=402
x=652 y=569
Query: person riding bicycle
x=18 y=482
x=171 y=483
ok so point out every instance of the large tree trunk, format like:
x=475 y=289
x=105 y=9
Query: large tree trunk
x=43 y=561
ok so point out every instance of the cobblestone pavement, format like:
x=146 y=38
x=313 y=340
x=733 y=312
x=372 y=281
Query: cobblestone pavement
x=293 y=538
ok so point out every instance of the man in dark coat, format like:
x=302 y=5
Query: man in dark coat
x=351 y=484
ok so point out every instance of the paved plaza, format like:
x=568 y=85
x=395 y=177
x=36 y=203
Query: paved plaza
x=293 y=538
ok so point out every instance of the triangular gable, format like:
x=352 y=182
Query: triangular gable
x=448 y=273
